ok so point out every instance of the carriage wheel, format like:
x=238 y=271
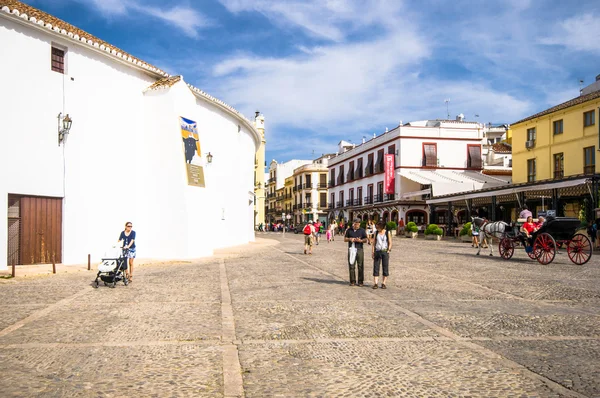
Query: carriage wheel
x=579 y=249
x=533 y=254
x=506 y=248
x=545 y=248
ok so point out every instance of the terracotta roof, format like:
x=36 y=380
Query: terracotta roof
x=43 y=19
x=572 y=102
x=501 y=147
x=494 y=172
x=165 y=82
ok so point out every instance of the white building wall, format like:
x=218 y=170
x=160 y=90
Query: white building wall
x=124 y=159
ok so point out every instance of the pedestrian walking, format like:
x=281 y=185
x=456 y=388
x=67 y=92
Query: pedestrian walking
x=381 y=248
x=309 y=232
x=317 y=226
x=370 y=231
x=128 y=238
x=356 y=236
x=332 y=228
x=475 y=234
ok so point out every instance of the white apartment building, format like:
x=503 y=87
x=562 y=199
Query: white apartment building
x=310 y=191
x=496 y=152
x=430 y=157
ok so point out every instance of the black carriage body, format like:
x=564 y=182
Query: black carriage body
x=560 y=228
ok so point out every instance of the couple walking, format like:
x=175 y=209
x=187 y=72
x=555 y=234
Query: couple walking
x=380 y=249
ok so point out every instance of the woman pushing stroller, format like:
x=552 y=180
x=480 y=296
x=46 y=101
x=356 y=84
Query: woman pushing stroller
x=128 y=238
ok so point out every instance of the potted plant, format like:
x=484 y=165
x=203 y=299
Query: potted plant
x=391 y=226
x=411 y=230
x=433 y=232
x=465 y=233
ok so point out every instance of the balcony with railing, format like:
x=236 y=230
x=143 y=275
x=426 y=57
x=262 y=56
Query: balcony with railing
x=378 y=198
x=358 y=202
x=330 y=205
x=339 y=204
x=589 y=169
x=349 y=202
x=323 y=205
x=389 y=196
x=307 y=186
x=321 y=186
x=368 y=200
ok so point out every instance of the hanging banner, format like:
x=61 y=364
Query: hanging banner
x=388 y=179
x=191 y=148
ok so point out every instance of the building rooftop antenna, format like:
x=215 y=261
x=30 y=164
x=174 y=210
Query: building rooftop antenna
x=447 y=101
x=580 y=86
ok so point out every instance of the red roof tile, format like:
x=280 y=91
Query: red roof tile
x=48 y=21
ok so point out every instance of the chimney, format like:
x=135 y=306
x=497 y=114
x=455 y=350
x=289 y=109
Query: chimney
x=363 y=139
x=460 y=118
x=374 y=135
x=386 y=130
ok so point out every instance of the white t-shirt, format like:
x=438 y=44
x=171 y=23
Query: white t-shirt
x=381 y=241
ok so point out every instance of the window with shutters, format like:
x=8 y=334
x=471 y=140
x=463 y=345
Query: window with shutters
x=559 y=165
x=589 y=118
x=332 y=200
x=359 y=168
x=332 y=178
x=557 y=127
x=379 y=164
x=474 y=156
x=341 y=176
x=58 y=60
x=323 y=200
x=359 y=198
x=369 y=168
x=351 y=171
x=429 y=155
x=589 y=160
x=530 y=170
x=351 y=197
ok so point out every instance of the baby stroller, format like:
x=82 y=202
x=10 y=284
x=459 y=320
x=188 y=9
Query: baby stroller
x=112 y=268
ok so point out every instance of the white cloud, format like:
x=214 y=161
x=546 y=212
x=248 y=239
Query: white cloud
x=184 y=18
x=327 y=19
x=580 y=32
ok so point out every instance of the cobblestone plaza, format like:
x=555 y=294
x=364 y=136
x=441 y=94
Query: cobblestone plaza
x=265 y=320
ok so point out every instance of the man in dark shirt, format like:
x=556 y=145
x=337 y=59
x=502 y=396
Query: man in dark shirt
x=358 y=236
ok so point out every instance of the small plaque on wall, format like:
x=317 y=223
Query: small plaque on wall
x=195 y=175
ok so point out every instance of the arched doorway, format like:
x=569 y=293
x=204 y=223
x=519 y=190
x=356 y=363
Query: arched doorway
x=365 y=217
x=419 y=217
x=395 y=216
x=386 y=217
x=441 y=216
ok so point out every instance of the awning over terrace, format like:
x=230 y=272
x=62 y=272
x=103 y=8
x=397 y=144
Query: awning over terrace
x=514 y=189
x=445 y=182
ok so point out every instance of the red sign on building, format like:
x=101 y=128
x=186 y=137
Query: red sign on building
x=388 y=179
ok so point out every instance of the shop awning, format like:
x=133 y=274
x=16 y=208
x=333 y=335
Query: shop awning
x=422 y=192
x=508 y=191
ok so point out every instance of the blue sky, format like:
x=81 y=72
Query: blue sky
x=325 y=70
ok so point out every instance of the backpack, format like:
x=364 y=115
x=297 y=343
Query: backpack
x=307 y=230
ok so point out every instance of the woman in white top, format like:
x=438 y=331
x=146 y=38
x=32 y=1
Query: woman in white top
x=332 y=228
x=382 y=246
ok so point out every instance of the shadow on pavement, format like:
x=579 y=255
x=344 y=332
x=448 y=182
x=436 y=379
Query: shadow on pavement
x=327 y=281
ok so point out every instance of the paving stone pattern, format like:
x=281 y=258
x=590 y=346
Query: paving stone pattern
x=450 y=324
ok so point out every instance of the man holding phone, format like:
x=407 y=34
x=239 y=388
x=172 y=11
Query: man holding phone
x=358 y=236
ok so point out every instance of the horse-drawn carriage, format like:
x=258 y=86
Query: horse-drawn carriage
x=544 y=243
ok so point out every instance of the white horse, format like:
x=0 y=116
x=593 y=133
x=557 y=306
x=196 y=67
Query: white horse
x=496 y=229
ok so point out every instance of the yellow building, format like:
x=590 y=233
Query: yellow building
x=557 y=143
x=288 y=197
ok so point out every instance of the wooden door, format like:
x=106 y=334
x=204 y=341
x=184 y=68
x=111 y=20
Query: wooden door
x=41 y=230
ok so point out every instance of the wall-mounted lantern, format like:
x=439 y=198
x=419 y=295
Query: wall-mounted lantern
x=64 y=125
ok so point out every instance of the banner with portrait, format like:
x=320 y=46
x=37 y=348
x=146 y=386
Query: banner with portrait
x=388 y=178
x=191 y=151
